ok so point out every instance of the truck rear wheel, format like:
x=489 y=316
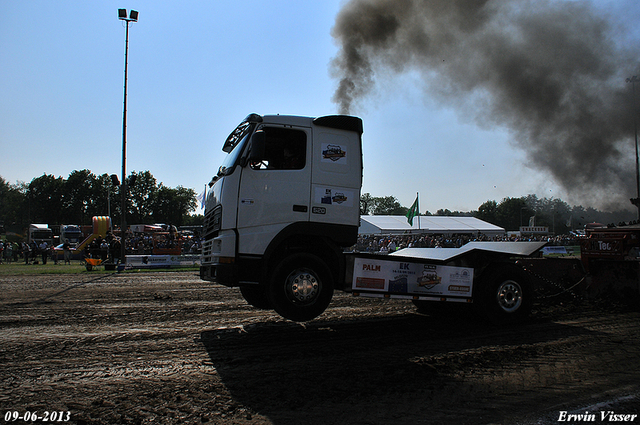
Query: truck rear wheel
x=506 y=294
x=301 y=287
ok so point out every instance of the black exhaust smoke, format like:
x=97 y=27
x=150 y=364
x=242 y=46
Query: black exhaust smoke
x=552 y=72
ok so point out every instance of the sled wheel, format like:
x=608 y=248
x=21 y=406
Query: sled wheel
x=506 y=294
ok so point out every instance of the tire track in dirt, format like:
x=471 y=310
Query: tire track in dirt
x=168 y=348
x=456 y=363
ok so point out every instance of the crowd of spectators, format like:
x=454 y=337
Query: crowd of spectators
x=29 y=252
x=144 y=243
x=392 y=243
x=107 y=248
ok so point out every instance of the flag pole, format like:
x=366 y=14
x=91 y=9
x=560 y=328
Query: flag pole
x=418 y=203
x=413 y=211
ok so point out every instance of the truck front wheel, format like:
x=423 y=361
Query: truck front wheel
x=301 y=287
x=255 y=296
x=506 y=294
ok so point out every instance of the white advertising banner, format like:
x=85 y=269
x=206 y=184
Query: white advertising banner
x=401 y=277
x=150 y=261
x=534 y=229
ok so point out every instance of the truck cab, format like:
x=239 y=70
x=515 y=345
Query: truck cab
x=281 y=208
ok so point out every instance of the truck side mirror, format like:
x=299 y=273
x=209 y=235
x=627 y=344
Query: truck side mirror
x=258 y=141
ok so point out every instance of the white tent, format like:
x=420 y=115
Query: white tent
x=445 y=225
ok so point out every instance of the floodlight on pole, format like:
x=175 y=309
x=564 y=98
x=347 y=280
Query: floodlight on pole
x=133 y=17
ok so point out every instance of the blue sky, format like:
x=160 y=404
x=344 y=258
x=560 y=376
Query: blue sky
x=197 y=68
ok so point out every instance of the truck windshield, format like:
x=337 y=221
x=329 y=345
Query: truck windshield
x=235 y=147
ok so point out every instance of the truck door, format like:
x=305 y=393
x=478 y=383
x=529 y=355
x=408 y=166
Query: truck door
x=274 y=191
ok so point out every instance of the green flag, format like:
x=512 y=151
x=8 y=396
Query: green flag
x=413 y=211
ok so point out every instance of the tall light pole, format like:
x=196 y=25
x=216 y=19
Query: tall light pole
x=133 y=17
x=116 y=183
x=636 y=201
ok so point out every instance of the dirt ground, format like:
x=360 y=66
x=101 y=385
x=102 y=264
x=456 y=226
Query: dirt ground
x=168 y=348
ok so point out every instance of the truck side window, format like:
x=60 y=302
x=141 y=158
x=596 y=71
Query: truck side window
x=285 y=149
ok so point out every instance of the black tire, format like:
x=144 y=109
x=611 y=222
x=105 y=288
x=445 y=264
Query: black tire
x=256 y=296
x=300 y=287
x=442 y=309
x=423 y=307
x=506 y=294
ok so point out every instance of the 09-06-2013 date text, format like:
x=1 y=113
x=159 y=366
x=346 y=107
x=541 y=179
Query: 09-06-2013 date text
x=55 y=416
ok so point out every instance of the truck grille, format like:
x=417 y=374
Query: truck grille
x=212 y=222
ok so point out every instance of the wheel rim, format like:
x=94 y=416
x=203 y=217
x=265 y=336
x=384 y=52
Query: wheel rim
x=509 y=296
x=303 y=286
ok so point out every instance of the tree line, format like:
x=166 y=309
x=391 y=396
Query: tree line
x=511 y=213
x=83 y=195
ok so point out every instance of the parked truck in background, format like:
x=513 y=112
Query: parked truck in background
x=39 y=233
x=71 y=234
x=284 y=206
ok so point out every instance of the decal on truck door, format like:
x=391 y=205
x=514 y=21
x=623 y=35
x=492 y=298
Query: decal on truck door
x=334 y=196
x=334 y=153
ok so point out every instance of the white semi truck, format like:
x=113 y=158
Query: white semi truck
x=39 y=233
x=284 y=206
x=71 y=234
